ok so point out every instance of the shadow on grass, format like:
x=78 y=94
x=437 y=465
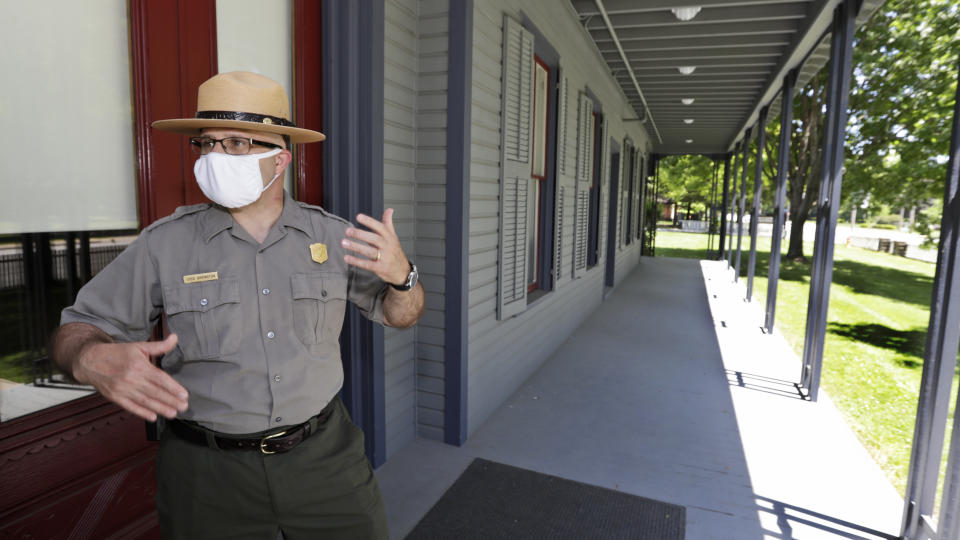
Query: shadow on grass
x=909 y=343
x=862 y=278
x=681 y=253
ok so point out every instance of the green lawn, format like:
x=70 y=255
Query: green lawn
x=16 y=361
x=876 y=327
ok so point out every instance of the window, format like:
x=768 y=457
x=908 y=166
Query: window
x=46 y=248
x=538 y=172
x=528 y=172
x=626 y=188
x=258 y=36
x=593 y=242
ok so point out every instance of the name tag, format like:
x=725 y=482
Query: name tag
x=196 y=278
x=318 y=252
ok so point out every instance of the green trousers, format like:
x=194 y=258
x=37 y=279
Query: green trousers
x=323 y=488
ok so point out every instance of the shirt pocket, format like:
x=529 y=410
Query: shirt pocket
x=205 y=317
x=319 y=301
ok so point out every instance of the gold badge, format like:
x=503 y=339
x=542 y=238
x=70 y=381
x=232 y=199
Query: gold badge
x=196 y=278
x=318 y=252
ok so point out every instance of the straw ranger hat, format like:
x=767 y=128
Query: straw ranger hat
x=241 y=100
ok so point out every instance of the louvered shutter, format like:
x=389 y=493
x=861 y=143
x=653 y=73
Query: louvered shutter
x=516 y=130
x=623 y=216
x=558 y=236
x=562 y=122
x=584 y=177
x=635 y=194
x=602 y=189
x=566 y=179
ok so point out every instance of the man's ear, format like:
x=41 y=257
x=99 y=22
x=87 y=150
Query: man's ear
x=281 y=161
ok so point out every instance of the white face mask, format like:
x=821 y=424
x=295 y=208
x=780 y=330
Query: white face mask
x=232 y=181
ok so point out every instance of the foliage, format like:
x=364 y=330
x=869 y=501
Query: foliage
x=806 y=152
x=898 y=133
x=901 y=102
x=688 y=180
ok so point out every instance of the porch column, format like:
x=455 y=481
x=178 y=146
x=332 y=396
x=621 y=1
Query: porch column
x=724 y=203
x=828 y=203
x=743 y=202
x=733 y=204
x=757 y=190
x=353 y=37
x=456 y=265
x=939 y=361
x=780 y=195
x=712 y=206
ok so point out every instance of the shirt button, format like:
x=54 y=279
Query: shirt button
x=270 y=334
x=266 y=291
x=203 y=301
x=323 y=293
x=279 y=419
x=276 y=378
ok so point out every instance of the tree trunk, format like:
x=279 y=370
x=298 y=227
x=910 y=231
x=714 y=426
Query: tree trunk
x=795 y=248
x=803 y=185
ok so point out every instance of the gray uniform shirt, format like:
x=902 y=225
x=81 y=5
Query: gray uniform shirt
x=258 y=324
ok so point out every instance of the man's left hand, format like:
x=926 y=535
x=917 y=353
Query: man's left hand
x=377 y=250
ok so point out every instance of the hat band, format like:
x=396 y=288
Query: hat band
x=245 y=117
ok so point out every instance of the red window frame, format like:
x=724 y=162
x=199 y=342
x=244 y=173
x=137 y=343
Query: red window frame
x=308 y=97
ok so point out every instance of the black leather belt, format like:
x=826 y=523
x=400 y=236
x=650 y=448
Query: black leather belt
x=270 y=443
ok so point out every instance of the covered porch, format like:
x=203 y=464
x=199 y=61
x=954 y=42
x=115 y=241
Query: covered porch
x=671 y=390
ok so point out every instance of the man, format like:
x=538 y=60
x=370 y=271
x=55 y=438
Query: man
x=254 y=289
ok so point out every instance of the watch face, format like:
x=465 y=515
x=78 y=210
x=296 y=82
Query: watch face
x=413 y=277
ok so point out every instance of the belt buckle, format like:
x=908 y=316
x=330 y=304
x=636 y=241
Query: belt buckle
x=263 y=442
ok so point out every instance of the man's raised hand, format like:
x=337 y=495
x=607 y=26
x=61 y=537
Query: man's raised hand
x=377 y=250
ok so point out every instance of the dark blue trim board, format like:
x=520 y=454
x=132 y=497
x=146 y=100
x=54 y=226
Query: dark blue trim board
x=459 y=93
x=353 y=39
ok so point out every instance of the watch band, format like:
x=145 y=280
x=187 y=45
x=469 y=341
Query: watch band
x=411 y=279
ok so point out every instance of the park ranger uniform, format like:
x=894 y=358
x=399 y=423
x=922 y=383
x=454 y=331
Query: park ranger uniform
x=258 y=350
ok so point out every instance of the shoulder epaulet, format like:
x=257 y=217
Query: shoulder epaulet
x=179 y=213
x=324 y=212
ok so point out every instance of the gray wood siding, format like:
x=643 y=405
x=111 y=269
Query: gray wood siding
x=432 y=43
x=399 y=190
x=502 y=354
x=415 y=137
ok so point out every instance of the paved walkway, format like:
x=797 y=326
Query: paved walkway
x=671 y=391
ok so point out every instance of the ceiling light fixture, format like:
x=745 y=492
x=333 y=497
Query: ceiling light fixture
x=689 y=141
x=687 y=101
x=688 y=120
x=686 y=70
x=685 y=13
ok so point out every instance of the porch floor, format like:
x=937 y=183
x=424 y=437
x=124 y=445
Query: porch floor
x=671 y=391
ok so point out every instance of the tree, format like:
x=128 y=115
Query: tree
x=687 y=179
x=901 y=103
x=803 y=178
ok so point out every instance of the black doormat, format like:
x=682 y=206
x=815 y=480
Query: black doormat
x=491 y=500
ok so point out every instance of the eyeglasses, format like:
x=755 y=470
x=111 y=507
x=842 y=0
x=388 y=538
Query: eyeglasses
x=235 y=146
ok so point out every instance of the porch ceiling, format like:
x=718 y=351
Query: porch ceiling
x=741 y=51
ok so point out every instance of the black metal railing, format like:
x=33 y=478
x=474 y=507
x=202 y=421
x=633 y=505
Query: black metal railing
x=40 y=274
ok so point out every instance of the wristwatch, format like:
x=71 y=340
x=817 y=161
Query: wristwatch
x=411 y=279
